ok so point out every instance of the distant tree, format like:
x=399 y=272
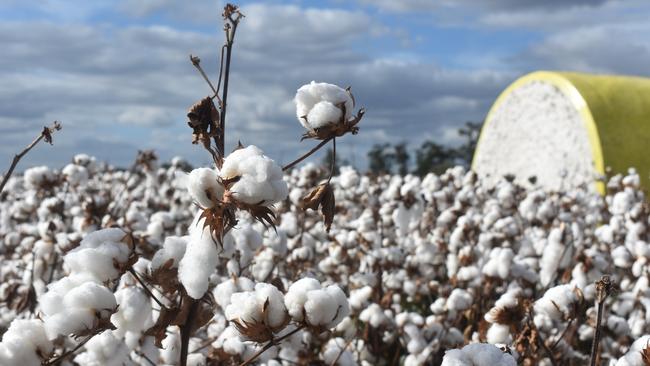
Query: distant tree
x=470 y=132
x=433 y=157
x=401 y=158
x=380 y=159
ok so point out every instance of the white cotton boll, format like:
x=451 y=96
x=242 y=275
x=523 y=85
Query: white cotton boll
x=459 y=300
x=23 y=342
x=618 y=325
x=348 y=177
x=223 y=291
x=324 y=113
x=557 y=302
x=260 y=178
x=36 y=176
x=248 y=307
x=317 y=104
x=204 y=186
x=326 y=307
x=199 y=261
x=499 y=263
x=105 y=349
x=498 y=333
x=374 y=315
x=551 y=257
x=98 y=253
x=75 y=174
x=633 y=357
x=296 y=296
x=134 y=311
x=337 y=349
x=171 y=351
x=478 y=354
x=359 y=297
x=77 y=309
x=622 y=257
x=173 y=249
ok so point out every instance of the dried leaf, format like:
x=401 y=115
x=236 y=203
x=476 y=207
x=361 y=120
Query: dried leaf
x=322 y=196
x=158 y=330
x=645 y=354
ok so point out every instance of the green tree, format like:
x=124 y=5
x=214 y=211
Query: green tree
x=433 y=157
x=380 y=159
x=401 y=158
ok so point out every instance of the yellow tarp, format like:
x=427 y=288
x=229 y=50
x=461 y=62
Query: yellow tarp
x=616 y=111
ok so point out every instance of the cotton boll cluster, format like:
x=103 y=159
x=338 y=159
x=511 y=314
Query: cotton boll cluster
x=259 y=313
x=322 y=104
x=426 y=265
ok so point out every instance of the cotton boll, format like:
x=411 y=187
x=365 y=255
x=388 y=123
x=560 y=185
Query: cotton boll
x=23 y=342
x=105 y=349
x=478 y=354
x=173 y=249
x=223 y=291
x=199 y=261
x=326 y=307
x=336 y=349
x=633 y=357
x=98 y=253
x=134 y=310
x=260 y=179
x=204 y=186
x=557 y=302
x=296 y=296
x=499 y=333
x=459 y=300
x=262 y=307
x=318 y=104
x=374 y=315
x=77 y=308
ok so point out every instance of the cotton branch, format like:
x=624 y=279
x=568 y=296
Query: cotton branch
x=603 y=289
x=45 y=134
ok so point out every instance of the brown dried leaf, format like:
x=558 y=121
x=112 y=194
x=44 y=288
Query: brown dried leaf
x=158 y=331
x=645 y=354
x=322 y=196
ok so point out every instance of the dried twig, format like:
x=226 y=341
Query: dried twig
x=305 y=156
x=45 y=134
x=603 y=289
x=68 y=353
x=270 y=344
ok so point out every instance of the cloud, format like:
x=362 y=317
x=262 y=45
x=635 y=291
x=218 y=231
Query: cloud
x=415 y=6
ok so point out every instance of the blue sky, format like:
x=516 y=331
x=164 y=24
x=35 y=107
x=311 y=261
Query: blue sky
x=117 y=73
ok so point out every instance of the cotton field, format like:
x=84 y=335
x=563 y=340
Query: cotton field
x=436 y=270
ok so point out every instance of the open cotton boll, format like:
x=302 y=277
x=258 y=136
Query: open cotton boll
x=75 y=174
x=77 y=309
x=326 y=307
x=23 y=342
x=98 y=253
x=260 y=178
x=459 y=300
x=374 y=315
x=336 y=349
x=173 y=249
x=557 y=302
x=105 y=349
x=633 y=357
x=223 y=291
x=296 y=296
x=478 y=354
x=264 y=305
x=134 y=311
x=199 y=261
x=317 y=104
x=204 y=186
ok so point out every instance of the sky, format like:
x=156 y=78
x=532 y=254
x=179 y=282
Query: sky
x=117 y=74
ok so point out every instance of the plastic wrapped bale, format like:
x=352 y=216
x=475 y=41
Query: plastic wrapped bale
x=565 y=129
